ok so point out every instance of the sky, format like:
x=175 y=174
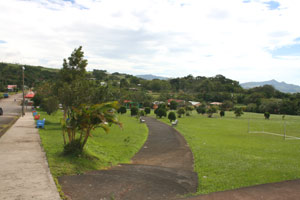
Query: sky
x=244 y=40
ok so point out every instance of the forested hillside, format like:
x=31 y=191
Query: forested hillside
x=11 y=74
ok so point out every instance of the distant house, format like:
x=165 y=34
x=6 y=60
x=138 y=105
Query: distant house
x=103 y=83
x=156 y=103
x=177 y=100
x=129 y=104
x=216 y=103
x=195 y=103
x=11 y=88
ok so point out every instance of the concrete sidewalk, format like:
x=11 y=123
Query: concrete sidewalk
x=24 y=171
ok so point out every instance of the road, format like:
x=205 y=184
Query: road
x=11 y=111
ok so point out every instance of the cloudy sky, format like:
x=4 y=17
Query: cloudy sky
x=245 y=40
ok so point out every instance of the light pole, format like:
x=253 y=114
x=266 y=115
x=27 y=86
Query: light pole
x=23 y=112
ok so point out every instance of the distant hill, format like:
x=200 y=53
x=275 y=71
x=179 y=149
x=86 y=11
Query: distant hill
x=281 y=86
x=151 y=77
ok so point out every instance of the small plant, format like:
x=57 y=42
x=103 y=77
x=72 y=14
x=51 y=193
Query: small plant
x=147 y=110
x=267 y=115
x=134 y=111
x=122 y=110
x=180 y=112
x=238 y=111
x=201 y=110
x=161 y=112
x=173 y=105
x=142 y=113
x=222 y=113
x=172 y=116
x=211 y=110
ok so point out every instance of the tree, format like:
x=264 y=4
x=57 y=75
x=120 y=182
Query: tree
x=161 y=112
x=50 y=104
x=201 y=109
x=267 y=115
x=238 y=111
x=173 y=105
x=134 y=111
x=189 y=109
x=122 y=110
x=211 y=110
x=172 y=116
x=147 y=110
x=83 y=120
x=180 y=112
x=222 y=113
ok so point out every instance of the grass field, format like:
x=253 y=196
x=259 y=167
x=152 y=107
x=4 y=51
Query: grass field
x=228 y=157
x=102 y=150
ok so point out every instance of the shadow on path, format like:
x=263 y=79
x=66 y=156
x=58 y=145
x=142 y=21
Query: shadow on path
x=162 y=169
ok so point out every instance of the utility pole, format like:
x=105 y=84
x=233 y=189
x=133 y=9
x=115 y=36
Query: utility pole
x=23 y=103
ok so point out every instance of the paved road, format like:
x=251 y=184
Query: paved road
x=11 y=111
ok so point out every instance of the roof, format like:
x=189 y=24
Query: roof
x=11 y=86
x=216 y=103
x=194 y=103
x=29 y=95
x=177 y=100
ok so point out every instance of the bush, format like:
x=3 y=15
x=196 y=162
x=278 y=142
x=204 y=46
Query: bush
x=172 y=116
x=222 y=113
x=73 y=148
x=180 y=111
x=142 y=113
x=267 y=115
x=201 y=110
x=211 y=110
x=161 y=112
x=173 y=105
x=134 y=111
x=238 y=111
x=122 y=110
x=147 y=110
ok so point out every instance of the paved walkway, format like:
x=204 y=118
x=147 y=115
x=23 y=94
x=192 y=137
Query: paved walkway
x=162 y=169
x=24 y=172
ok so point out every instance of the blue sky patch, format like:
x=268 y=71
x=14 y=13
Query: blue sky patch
x=289 y=50
x=273 y=5
x=246 y=1
x=2 y=42
x=297 y=39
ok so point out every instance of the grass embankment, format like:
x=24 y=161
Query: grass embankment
x=102 y=150
x=226 y=156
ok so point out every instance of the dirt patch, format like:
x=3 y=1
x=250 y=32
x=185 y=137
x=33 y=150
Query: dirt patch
x=163 y=169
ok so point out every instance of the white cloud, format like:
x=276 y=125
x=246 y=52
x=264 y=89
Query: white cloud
x=163 y=37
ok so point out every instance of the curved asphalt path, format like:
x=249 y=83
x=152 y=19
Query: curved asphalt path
x=162 y=169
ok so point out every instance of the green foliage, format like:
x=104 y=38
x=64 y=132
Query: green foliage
x=180 y=112
x=211 y=110
x=134 y=111
x=161 y=112
x=267 y=115
x=84 y=119
x=122 y=110
x=189 y=110
x=173 y=105
x=142 y=113
x=104 y=150
x=172 y=116
x=50 y=104
x=238 y=111
x=201 y=109
x=222 y=113
x=37 y=99
x=147 y=110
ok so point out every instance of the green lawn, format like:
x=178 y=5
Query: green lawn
x=228 y=157
x=102 y=150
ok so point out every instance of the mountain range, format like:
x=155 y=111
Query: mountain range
x=151 y=77
x=281 y=86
